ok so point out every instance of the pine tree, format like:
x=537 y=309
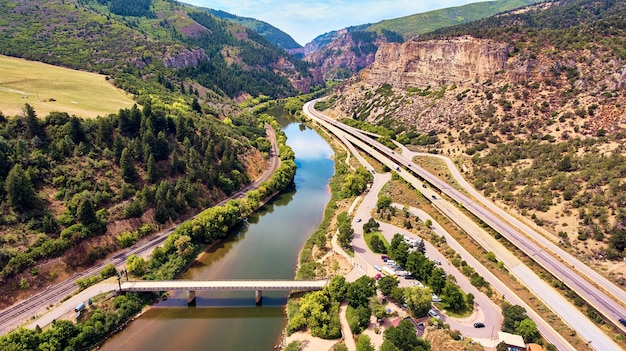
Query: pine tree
x=151 y=171
x=19 y=189
x=127 y=166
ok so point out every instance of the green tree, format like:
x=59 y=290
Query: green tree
x=337 y=288
x=437 y=280
x=512 y=316
x=527 y=329
x=453 y=296
x=108 y=271
x=383 y=202
x=404 y=337
x=418 y=300
x=151 y=170
x=364 y=343
x=136 y=265
x=127 y=166
x=20 y=192
x=386 y=284
x=360 y=291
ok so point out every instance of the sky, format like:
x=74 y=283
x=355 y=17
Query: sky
x=304 y=20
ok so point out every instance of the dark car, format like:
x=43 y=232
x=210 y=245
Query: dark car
x=479 y=325
x=623 y=321
x=384 y=258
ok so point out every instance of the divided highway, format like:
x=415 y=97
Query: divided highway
x=611 y=308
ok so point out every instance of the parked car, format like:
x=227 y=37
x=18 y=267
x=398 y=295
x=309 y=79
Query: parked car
x=409 y=277
x=437 y=262
x=435 y=298
x=384 y=258
x=377 y=268
x=433 y=314
x=479 y=325
x=378 y=276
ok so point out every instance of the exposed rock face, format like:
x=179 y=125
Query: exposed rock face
x=184 y=58
x=342 y=57
x=436 y=62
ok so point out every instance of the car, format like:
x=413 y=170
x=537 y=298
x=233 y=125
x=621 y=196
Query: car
x=358 y=220
x=437 y=262
x=377 y=268
x=378 y=276
x=479 y=325
x=424 y=186
x=434 y=197
x=409 y=277
x=434 y=314
x=384 y=258
x=623 y=321
x=435 y=298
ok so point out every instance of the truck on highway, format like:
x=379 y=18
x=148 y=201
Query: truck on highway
x=395 y=167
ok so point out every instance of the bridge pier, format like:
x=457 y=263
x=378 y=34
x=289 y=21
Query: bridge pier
x=258 y=297
x=191 y=298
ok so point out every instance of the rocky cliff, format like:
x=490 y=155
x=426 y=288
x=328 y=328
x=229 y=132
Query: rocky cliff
x=436 y=62
x=346 y=54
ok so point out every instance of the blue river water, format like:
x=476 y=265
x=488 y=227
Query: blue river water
x=266 y=246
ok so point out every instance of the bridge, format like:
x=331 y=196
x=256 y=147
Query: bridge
x=191 y=286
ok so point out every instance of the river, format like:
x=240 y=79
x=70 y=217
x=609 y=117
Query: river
x=266 y=246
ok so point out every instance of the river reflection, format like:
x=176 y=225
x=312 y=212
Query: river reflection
x=264 y=247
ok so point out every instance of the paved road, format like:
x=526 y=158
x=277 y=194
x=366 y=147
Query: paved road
x=485 y=310
x=588 y=331
x=591 y=275
x=25 y=310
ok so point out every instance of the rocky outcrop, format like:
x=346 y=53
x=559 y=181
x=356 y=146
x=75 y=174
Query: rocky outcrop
x=343 y=56
x=436 y=62
x=184 y=58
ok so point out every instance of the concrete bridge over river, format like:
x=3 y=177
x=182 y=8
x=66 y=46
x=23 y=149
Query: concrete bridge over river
x=191 y=286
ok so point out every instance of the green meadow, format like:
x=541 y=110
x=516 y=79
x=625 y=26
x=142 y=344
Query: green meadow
x=50 y=88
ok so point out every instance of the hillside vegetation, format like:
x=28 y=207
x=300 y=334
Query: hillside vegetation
x=422 y=23
x=48 y=88
x=269 y=32
x=544 y=136
x=145 y=49
x=75 y=190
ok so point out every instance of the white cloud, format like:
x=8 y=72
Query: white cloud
x=305 y=20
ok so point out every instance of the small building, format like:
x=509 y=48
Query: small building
x=534 y=347
x=512 y=341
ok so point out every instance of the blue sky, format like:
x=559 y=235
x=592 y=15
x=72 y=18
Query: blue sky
x=305 y=20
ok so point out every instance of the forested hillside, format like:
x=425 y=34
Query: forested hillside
x=74 y=190
x=269 y=32
x=143 y=45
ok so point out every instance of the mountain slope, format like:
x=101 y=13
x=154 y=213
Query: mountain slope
x=337 y=55
x=421 y=23
x=269 y=32
x=88 y=35
x=531 y=104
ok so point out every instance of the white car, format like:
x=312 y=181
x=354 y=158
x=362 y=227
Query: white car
x=377 y=268
x=435 y=298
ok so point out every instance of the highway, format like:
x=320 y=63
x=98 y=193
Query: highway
x=23 y=311
x=605 y=304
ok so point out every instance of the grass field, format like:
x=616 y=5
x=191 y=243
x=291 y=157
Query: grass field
x=50 y=88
